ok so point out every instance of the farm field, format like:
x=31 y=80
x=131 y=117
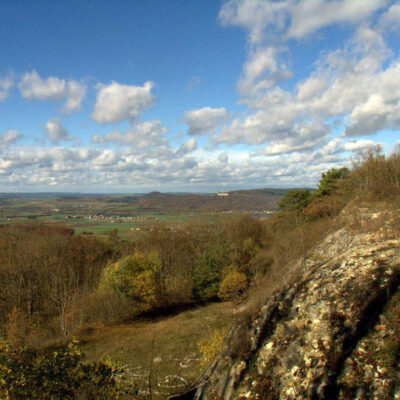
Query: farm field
x=131 y=214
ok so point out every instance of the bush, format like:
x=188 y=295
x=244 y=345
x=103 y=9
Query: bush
x=136 y=277
x=325 y=206
x=211 y=345
x=234 y=284
x=25 y=373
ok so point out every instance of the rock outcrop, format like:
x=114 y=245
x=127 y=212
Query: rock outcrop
x=333 y=334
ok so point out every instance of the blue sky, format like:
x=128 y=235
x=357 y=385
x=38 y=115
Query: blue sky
x=132 y=96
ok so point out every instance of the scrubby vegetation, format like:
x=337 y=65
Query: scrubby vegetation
x=56 y=284
x=26 y=373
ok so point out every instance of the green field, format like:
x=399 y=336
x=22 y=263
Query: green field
x=130 y=215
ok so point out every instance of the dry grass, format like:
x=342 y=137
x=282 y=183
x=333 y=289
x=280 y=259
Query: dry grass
x=169 y=344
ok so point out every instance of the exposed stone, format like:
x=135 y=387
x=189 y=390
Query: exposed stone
x=311 y=338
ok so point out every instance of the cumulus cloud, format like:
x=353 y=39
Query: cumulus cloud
x=359 y=84
x=161 y=167
x=6 y=84
x=297 y=129
x=262 y=70
x=187 y=147
x=9 y=137
x=204 y=120
x=33 y=87
x=105 y=158
x=255 y=16
x=310 y=15
x=140 y=135
x=293 y=19
x=56 y=132
x=116 y=102
x=303 y=136
x=390 y=19
x=358 y=145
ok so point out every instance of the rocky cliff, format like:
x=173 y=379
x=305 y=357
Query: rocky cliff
x=334 y=333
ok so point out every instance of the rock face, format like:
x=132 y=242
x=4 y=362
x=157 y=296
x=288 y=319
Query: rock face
x=334 y=334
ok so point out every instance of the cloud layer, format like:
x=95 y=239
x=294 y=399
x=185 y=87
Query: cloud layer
x=204 y=120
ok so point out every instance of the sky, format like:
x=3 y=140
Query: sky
x=193 y=96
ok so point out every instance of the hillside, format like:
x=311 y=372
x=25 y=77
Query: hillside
x=258 y=200
x=313 y=291
x=332 y=331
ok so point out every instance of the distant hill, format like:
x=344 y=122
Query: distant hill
x=254 y=201
x=239 y=200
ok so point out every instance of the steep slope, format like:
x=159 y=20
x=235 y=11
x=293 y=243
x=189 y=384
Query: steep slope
x=334 y=333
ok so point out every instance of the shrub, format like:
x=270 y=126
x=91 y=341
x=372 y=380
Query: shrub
x=136 y=277
x=233 y=285
x=25 y=373
x=211 y=345
x=325 y=206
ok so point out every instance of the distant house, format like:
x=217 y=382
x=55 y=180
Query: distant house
x=222 y=194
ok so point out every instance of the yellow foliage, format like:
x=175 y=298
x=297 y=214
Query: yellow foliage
x=232 y=285
x=211 y=345
x=136 y=277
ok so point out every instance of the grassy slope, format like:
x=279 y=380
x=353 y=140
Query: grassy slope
x=168 y=341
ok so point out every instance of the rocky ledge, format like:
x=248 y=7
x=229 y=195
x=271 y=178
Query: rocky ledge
x=334 y=334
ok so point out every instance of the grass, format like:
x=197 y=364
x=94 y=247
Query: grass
x=171 y=342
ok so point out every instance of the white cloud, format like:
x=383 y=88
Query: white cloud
x=309 y=16
x=9 y=137
x=204 y=120
x=311 y=88
x=56 y=132
x=140 y=135
x=163 y=168
x=255 y=16
x=390 y=20
x=293 y=127
x=358 y=145
x=303 y=136
x=187 y=147
x=105 y=158
x=358 y=85
x=262 y=70
x=5 y=85
x=75 y=94
x=293 y=19
x=32 y=86
x=116 y=102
